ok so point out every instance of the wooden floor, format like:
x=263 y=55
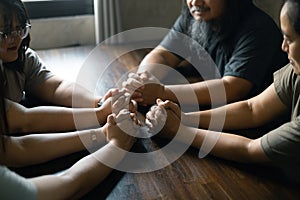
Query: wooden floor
x=187 y=178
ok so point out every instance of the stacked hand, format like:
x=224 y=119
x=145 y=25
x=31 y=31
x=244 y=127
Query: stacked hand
x=121 y=127
x=164 y=116
x=144 y=87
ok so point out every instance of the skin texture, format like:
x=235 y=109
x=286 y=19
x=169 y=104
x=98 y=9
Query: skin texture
x=84 y=174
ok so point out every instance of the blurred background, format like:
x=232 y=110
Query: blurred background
x=64 y=23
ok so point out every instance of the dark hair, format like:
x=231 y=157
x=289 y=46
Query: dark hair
x=3 y=117
x=8 y=10
x=234 y=12
x=294 y=14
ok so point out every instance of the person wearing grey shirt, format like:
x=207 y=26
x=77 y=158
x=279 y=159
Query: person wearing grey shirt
x=279 y=147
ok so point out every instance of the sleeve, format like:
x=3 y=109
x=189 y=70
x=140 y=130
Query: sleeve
x=177 y=27
x=283 y=82
x=254 y=53
x=13 y=186
x=282 y=145
x=176 y=41
x=35 y=70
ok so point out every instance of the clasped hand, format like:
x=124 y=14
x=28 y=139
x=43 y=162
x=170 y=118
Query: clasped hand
x=144 y=88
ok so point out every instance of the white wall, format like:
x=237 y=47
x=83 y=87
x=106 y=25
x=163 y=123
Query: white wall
x=61 y=32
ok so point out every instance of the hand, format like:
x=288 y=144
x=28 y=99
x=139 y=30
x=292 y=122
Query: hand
x=168 y=120
x=106 y=101
x=144 y=87
x=116 y=135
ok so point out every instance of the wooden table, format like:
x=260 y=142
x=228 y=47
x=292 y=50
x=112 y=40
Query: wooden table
x=188 y=177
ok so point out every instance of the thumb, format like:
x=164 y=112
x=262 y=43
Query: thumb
x=111 y=119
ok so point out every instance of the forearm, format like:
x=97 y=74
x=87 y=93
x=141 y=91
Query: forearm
x=226 y=146
x=39 y=148
x=81 y=177
x=233 y=116
x=204 y=93
x=52 y=119
x=157 y=58
x=73 y=95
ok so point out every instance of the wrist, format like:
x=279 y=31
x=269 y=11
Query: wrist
x=101 y=115
x=125 y=145
x=190 y=119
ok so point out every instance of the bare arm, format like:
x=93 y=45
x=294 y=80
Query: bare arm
x=38 y=148
x=218 y=91
x=210 y=92
x=232 y=147
x=61 y=92
x=87 y=172
x=53 y=119
x=80 y=178
x=159 y=55
x=223 y=145
x=245 y=114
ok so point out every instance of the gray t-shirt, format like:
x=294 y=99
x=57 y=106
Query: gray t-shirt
x=254 y=52
x=282 y=145
x=13 y=186
x=23 y=81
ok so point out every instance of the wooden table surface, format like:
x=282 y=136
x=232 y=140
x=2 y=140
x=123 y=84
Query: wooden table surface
x=189 y=177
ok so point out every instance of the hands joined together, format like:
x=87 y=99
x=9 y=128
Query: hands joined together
x=145 y=89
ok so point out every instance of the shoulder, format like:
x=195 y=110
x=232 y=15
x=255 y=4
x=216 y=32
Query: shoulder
x=32 y=60
x=287 y=84
x=285 y=74
x=30 y=54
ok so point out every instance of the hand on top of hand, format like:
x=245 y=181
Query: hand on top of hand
x=115 y=132
x=165 y=116
x=144 y=87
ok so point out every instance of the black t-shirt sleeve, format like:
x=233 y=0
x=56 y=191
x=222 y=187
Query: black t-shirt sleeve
x=252 y=55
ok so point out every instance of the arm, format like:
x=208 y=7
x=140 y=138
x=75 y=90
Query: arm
x=61 y=92
x=215 y=92
x=223 y=145
x=87 y=172
x=80 y=178
x=232 y=147
x=243 y=114
x=39 y=148
x=211 y=90
x=159 y=55
x=54 y=119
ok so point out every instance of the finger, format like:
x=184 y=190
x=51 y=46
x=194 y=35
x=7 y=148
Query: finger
x=111 y=119
x=116 y=95
x=159 y=101
x=144 y=76
x=133 y=106
x=107 y=95
x=137 y=96
x=119 y=102
x=147 y=77
x=134 y=75
x=172 y=106
x=132 y=82
x=124 y=114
